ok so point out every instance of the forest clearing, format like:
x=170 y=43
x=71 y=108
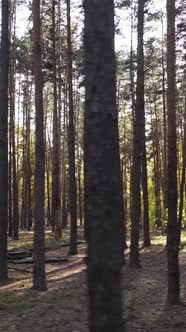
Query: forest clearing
x=64 y=306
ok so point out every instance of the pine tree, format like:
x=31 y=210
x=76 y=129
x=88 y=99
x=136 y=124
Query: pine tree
x=103 y=189
x=39 y=278
x=4 y=52
x=173 y=227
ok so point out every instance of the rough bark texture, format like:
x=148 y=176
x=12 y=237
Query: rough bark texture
x=146 y=231
x=138 y=145
x=12 y=119
x=56 y=199
x=172 y=229
x=4 y=141
x=71 y=142
x=103 y=190
x=39 y=278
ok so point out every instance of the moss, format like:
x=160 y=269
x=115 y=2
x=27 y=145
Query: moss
x=11 y=301
x=66 y=297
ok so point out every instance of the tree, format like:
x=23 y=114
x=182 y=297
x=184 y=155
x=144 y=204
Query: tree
x=39 y=278
x=4 y=51
x=71 y=141
x=56 y=199
x=141 y=105
x=12 y=94
x=173 y=226
x=103 y=184
x=138 y=126
x=182 y=184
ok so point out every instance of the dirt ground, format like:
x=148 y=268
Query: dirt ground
x=63 y=307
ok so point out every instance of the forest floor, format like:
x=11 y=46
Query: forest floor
x=63 y=307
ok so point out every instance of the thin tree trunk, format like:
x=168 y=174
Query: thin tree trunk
x=12 y=115
x=173 y=296
x=64 y=172
x=10 y=219
x=56 y=199
x=71 y=141
x=4 y=51
x=138 y=144
x=79 y=167
x=141 y=105
x=29 y=191
x=39 y=278
x=157 y=173
x=182 y=185
x=49 y=222
x=164 y=127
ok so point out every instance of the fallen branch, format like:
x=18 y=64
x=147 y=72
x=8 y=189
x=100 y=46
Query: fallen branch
x=30 y=260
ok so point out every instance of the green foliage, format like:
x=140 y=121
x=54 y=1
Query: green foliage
x=23 y=53
x=12 y=301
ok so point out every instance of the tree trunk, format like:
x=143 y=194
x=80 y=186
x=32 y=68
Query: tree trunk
x=71 y=142
x=39 y=278
x=4 y=51
x=138 y=144
x=64 y=171
x=29 y=190
x=157 y=169
x=10 y=219
x=172 y=229
x=141 y=105
x=103 y=189
x=56 y=199
x=164 y=128
x=12 y=122
x=182 y=184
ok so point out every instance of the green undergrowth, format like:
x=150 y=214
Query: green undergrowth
x=158 y=240
x=13 y=301
x=25 y=241
x=66 y=297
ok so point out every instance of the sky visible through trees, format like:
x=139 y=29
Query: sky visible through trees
x=121 y=40
x=92 y=165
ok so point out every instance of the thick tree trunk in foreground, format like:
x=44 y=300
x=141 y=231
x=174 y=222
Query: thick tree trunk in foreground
x=4 y=141
x=173 y=228
x=39 y=278
x=103 y=190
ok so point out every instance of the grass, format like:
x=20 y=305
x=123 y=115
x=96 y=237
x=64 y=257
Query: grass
x=25 y=241
x=67 y=297
x=158 y=240
x=11 y=301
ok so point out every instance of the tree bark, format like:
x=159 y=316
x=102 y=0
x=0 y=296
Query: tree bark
x=39 y=278
x=56 y=199
x=164 y=127
x=103 y=184
x=4 y=51
x=71 y=141
x=173 y=296
x=182 y=184
x=138 y=144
